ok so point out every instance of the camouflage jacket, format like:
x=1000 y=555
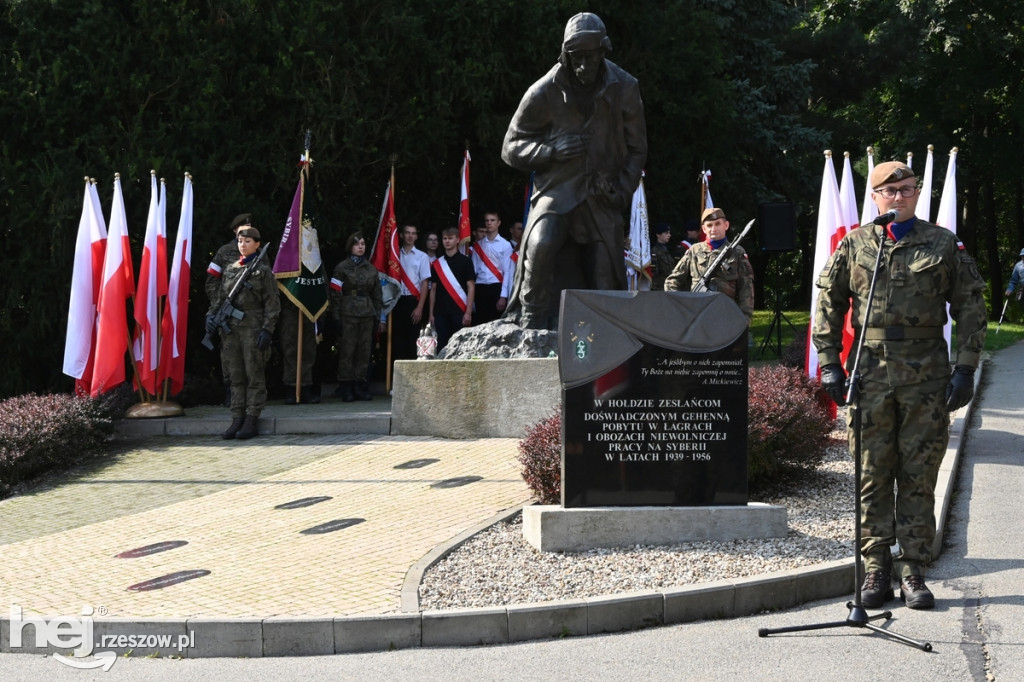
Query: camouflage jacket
x=258 y=298
x=662 y=264
x=918 y=275
x=355 y=290
x=734 y=277
x=225 y=256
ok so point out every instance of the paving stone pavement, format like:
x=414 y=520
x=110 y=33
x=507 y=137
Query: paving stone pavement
x=58 y=544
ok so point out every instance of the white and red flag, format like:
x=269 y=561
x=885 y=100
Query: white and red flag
x=147 y=298
x=465 y=231
x=85 y=288
x=924 y=201
x=831 y=229
x=705 y=190
x=111 y=312
x=638 y=255
x=869 y=211
x=947 y=217
x=174 y=324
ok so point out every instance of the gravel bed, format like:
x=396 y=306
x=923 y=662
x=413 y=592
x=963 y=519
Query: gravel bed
x=497 y=566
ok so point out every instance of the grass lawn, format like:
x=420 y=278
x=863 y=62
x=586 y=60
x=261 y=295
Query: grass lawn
x=764 y=349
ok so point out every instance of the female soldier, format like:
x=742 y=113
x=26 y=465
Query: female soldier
x=244 y=350
x=356 y=304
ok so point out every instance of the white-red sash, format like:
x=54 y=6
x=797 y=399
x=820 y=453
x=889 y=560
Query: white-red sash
x=481 y=253
x=413 y=289
x=450 y=283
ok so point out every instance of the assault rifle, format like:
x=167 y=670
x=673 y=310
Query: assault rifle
x=702 y=285
x=227 y=308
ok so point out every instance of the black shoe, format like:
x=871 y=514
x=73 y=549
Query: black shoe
x=236 y=424
x=344 y=391
x=309 y=395
x=915 y=593
x=289 y=395
x=362 y=391
x=248 y=429
x=876 y=590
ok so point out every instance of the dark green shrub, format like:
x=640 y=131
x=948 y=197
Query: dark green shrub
x=40 y=433
x=788 y=423
x=540 y=453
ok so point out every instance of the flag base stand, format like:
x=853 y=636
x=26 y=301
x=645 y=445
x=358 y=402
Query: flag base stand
x=158 y=408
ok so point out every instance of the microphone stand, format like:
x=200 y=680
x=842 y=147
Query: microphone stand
x=858 y=617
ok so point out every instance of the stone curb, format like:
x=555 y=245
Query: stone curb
x=253 y=638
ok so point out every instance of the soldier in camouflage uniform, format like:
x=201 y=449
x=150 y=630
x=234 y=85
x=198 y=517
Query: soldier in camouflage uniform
x=907 y=388
x=225 y=255
x=734 y=277
x=356 y=304
x=245 y=350
x=662 y=261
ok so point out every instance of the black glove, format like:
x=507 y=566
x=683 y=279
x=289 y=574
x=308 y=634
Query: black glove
x=263 y=339
x=211 y=326
x=833 y=380
x=960 y=389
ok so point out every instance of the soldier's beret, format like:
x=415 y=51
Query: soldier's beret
x=712 y=214
x=890 y=171
x=241 y=219
x=662 y=228
x=250 y=232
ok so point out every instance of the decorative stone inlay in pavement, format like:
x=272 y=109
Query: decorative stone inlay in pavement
x=260 y=563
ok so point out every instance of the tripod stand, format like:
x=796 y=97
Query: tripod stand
x=777 y=319
x=858 y=617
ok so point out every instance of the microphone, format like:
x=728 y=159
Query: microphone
x=885 y=218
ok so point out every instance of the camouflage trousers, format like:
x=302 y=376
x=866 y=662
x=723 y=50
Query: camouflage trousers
x=905 y=432
x=355 y=347
x=245 y=365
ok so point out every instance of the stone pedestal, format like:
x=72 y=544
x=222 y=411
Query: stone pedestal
x=552 y=528
x=473 y=398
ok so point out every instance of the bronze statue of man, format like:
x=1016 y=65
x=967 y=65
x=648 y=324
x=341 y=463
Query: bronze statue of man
x=581 y=130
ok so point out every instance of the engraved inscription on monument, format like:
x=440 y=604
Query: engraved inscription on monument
x=663 y=426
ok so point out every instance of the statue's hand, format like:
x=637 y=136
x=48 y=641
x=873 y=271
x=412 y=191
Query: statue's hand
x=567 y=147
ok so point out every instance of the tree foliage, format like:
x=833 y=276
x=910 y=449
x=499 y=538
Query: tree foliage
x=224 y=89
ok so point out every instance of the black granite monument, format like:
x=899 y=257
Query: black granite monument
x=654 y=399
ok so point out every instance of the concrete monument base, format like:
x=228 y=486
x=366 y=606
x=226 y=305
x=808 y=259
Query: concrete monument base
x=553 y=528
x=490 y=398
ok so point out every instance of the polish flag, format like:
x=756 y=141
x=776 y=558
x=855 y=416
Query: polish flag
x=147 y=299
x=111 y=312
x=465 y=233
x=174 y=324
x=947 y=218
x=924 y=201
x=85 y=289
x=831 y=229
x=869 y=211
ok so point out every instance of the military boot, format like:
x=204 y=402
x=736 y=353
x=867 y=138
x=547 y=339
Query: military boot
x=248 y=429
x=236 y=424
x=915 y=593
x=362 y=391
x=309 y=395
x=289 y=394
x=876 y=590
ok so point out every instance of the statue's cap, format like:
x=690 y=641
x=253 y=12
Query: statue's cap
x=585 y=31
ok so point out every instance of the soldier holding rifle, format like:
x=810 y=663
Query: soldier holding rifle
x=246 y=327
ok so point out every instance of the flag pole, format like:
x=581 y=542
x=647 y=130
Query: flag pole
x=303 y=174
x=387 y=372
